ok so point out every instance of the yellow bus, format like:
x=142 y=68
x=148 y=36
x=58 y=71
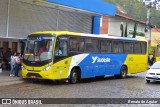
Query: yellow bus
x=73 y=56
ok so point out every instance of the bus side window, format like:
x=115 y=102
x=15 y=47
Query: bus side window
x=81 y=46
x=117 y=47
x=143 y=45
x=76 y=44
x=64 y=48
x=106 y=46
x=137 y=48
x=73 y=46
x=128 y=47
x=61 y=48
x=58 y=51
x=91 y=45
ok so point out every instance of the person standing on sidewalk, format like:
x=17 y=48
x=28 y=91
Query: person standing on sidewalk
x=7 y=58
x=18 y=62
x=1 y=58
x=12 y=64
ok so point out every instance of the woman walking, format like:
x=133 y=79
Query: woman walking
x=12 y=63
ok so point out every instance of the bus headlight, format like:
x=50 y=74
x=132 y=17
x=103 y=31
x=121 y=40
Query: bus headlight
x=23 y=67
x=46 y=68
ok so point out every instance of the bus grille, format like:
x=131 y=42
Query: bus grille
x=34 y=70
x=34 y=74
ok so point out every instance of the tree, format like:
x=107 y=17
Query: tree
x=122 y=29
x=157 y=41
x=150 y=49
x=135 y=30
x=137 y=10
x=126 y=33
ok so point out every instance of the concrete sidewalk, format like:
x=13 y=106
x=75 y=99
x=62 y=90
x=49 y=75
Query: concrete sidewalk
x=5 y=79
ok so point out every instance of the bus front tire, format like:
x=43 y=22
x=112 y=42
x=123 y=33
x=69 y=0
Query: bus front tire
x=73 y=76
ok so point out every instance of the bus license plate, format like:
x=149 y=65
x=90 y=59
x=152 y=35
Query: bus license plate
x=33 y=76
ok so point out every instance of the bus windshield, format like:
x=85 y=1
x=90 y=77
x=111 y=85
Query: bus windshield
x=39 y=48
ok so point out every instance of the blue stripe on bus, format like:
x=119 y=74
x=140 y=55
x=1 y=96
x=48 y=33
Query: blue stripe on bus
x=101 y=64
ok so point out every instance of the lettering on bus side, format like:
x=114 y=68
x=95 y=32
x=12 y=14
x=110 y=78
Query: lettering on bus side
x=97 y=59
x=130 y=59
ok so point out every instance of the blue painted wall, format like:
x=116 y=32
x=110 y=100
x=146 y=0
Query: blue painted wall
x=96 y=6
x=96 y=24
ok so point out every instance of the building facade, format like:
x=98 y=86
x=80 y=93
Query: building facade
x=155 y=37
x=21 y=17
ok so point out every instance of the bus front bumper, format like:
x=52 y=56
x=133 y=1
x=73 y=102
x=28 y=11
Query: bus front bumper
x=37 y=75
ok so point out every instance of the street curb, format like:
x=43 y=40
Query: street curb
x=10 y=83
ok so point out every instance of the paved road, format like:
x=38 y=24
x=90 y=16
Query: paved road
x=133 y=86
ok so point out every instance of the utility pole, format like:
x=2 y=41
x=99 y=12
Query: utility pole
x=8 y=17
x=148 y=25
x=150 y=4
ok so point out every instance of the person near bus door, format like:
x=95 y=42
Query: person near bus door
x=17 y=67
x=151 y=59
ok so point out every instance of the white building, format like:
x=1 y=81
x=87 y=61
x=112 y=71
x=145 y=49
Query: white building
x=114 y=26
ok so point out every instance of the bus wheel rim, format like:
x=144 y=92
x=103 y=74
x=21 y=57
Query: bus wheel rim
x=123 y=73
x=74 y=77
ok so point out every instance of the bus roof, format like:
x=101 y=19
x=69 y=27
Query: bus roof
x=111 y=37
x=59 y=33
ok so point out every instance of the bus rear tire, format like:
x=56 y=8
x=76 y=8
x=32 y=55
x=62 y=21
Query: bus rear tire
x=74 y=76
x=123 y=73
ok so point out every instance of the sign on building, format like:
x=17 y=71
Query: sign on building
x=157 y=4
x=150 y=3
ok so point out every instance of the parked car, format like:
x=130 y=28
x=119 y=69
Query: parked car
x=153 y=73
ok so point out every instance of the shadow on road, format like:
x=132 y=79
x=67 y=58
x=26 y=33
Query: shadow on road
x=82 y=81
x=153 y=83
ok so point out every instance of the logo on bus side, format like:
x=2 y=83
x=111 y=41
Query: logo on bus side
x=97 y=59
